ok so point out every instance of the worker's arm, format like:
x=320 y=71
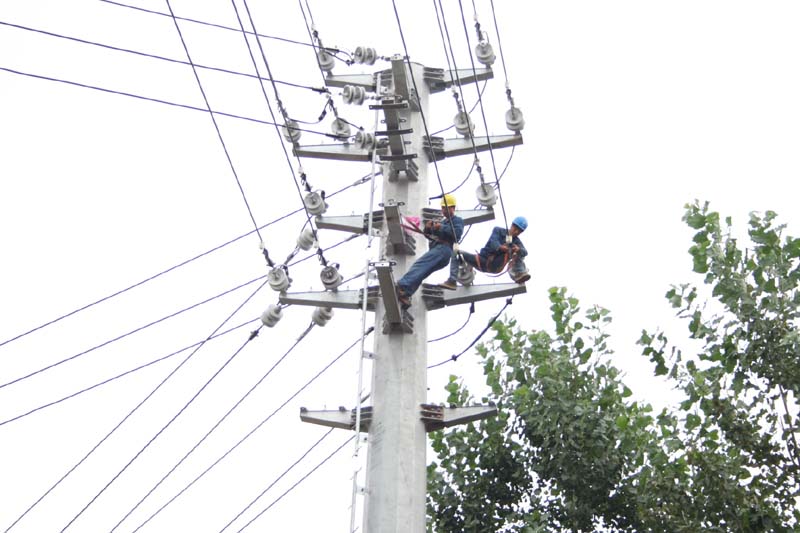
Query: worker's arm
x=450 y=230
x=496 y=240
x=521 y=251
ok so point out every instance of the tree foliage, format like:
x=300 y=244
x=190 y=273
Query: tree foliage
x=570 y=450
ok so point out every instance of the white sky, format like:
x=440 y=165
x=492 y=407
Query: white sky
x=633 y=108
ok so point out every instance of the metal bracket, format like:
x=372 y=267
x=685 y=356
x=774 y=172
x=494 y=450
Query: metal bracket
x=394 y=314
x=435 y=297
x=437 y=416
x=399 y=242
x=367 y=81
x=438 y=148
x=439 y=79
x=339 y=299
x=341 y=418
x=336 y=151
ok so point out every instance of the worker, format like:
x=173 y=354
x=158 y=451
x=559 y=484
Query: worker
x=502 y=248
x=442 y=234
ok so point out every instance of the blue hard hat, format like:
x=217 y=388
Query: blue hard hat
x=521 y=223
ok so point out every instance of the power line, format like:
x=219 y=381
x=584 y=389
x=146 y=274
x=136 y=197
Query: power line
x=252 y=431
x=280 y=108
x=360 y=181
x=422 y=115
x=220 y=26
x=150 y=99
x=469 y=316
x=155 y=56
x=210 y=431
x=309 y=450
x=290 y=489
x=462 y=352
x=480 y=103
x=106 y=343
x=160 y=431
x=483 y=114
x=131 y=371
x=214 y=120
x=125 y=418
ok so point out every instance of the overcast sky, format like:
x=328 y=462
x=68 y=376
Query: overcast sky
x=632 y=108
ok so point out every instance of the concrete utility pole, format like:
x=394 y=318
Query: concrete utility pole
x=399 y=417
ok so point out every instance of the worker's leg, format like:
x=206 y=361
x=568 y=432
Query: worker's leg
x=434 y=259
x=518 y=270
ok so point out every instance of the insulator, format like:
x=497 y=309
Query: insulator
x=331 y=278
x=486 y=195
x=272 y=315
x=326 y=60
x=340 y=129
x=463 y=124
x=365 y=55
x=353 y=94
x=279 y=279
x=321 y=315
x=306 y=239
x=314 y=203
x=514 y=119
x=466 y=274
x=364 y=140
x=485 y=53
x=291 y=131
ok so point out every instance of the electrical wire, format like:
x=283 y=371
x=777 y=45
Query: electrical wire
x=269 y=106
x=469 y=316
x=252 y=431
x=155 y=56
x=480 y=103
x=334 y=452
x=131 y=371
x=216 y=425
x=462 y=352
x=360 y=181
x=126 y=417
x=305 y=454
x=214 y=120
x=131 y=332
x=472 y=109
x=214 y=25
x=499 y=44
x=137 y=96
x=483 y=114
x=422 y=114
x=252 y=336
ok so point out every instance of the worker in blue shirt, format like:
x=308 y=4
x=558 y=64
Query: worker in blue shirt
x=502 y=248
x=441 y=235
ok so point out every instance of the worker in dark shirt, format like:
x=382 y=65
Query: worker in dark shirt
x=502 y=248
x=442 y=235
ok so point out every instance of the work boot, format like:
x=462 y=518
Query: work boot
x=449 y=284
x=521 y=278
x=403 y=299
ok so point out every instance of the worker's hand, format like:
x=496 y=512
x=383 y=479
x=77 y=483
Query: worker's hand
x=428 y=226
x=503 y=248
x=514 y=248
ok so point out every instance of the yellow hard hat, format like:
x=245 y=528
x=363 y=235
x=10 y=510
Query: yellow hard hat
x=448 y=200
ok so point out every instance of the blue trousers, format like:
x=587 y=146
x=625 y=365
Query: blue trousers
x=434 y=259
x=517 y=264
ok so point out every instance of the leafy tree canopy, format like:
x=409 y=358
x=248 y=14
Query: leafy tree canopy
x=571 y=450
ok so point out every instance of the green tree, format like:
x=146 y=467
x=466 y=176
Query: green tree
x=571 y=451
